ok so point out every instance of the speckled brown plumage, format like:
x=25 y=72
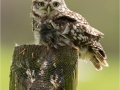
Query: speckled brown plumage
x=72 y=26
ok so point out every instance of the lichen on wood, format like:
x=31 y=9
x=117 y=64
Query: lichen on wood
x=35 y=67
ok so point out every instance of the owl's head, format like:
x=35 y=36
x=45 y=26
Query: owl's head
x=48 y=7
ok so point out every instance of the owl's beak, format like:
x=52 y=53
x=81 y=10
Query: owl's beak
x=49 y=9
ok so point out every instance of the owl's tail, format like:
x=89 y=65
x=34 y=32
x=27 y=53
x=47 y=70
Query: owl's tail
x=98 y=57
x=95 y=54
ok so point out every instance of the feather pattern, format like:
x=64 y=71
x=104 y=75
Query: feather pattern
x=63 y=27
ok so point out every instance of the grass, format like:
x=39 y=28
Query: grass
x=89 y=78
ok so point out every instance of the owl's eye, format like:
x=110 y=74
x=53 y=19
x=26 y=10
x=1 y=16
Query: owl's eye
x=41 y=3
x=56 y=4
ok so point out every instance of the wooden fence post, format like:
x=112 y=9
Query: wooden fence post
x=36 y=68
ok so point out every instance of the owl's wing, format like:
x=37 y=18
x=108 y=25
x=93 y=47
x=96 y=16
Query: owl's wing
x=81 y=21
x=76 y=28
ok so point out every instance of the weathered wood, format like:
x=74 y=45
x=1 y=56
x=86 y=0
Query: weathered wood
x=36 y=68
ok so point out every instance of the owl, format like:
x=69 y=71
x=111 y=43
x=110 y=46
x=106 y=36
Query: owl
x=56 y=25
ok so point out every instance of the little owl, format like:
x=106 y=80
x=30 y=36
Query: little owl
x=55 y=25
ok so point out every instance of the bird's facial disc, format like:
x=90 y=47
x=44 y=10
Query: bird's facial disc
x=47 y=6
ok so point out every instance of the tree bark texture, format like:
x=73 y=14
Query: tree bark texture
x=34 y=67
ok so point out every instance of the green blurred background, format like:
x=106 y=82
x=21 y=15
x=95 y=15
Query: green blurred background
x=101 y=14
